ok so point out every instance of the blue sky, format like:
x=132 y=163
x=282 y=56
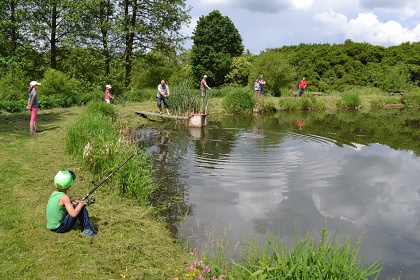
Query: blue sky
x=275 y=23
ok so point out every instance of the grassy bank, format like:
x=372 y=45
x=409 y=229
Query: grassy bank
x=130 y=244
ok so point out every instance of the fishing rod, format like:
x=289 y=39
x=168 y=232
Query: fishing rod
x=109 y=176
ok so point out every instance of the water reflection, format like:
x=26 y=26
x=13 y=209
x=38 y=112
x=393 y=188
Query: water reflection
x=359 y=173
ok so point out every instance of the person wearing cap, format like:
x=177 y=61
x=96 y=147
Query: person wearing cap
x=108 y=94
x=33 y=106
x=63 y=212
x=162 y=95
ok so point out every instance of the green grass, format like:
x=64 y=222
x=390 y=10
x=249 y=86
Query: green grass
x=130 y=243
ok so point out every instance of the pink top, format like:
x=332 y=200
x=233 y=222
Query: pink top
x=107 y=94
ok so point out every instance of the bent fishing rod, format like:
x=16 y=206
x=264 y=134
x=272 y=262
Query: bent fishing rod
x=109 y=176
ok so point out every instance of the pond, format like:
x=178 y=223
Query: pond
x=292 y=173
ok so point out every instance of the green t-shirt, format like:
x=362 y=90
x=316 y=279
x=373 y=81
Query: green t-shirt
x=55 y=212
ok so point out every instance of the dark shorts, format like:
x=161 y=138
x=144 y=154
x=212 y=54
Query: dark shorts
x=159 y=102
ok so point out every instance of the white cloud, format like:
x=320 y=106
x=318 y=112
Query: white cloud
x=366 y=27
x=277 y=23
x=302 y=4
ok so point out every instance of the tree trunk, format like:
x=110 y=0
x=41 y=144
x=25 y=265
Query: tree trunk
x=53 y=38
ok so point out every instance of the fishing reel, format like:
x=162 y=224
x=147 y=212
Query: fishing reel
x=91 y=201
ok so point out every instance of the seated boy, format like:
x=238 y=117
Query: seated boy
x=62 y=212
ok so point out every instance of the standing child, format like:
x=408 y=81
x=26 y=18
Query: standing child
x=257 y=87
x=33 y=106
x=108 y=94
x=63 y=212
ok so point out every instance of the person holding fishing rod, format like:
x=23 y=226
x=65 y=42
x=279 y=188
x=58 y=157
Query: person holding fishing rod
x=63 y=212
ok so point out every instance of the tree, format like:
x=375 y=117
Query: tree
x=276 y=69
x=150 y=25
x=50 y=23
x=10 y=21
x=216 y=41
x=239 y=70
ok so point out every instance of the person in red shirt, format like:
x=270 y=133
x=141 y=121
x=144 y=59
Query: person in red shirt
x=302 y=86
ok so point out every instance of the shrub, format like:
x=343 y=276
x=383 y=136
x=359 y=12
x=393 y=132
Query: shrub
x=140 y=95
x=56 y=82
x=13 y=85
x=349 y=100
x=239 y=101
x=13 y=106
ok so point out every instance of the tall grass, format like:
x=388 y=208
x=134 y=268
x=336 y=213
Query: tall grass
x=185 y=101
x=96 y=141
x=307 y=259
x=306 y=102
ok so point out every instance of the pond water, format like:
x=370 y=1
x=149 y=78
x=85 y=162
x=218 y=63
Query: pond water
x=288 y=174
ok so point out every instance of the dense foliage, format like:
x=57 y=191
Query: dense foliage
x=74 y=48
x=239 y=101
x=216 y=43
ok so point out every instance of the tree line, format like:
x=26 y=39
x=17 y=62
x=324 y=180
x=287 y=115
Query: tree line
x=133 y=44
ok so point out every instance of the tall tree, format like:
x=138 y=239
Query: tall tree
x=216 y=43
x=49 y=25
x=11 y=15
x=150 y=25
x=94 y=23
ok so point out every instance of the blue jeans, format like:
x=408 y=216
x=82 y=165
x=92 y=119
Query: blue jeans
x=301 y=91
x=68 y=222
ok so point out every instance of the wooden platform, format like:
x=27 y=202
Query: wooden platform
x=194 y=120
x=144 y=114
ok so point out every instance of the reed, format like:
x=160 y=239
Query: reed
x=185 y=101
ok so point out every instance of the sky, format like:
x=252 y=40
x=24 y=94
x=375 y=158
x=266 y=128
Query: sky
x=266 y=24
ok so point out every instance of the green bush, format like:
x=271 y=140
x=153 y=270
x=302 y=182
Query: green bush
x=349 y=100
x=13 y=106
x=140 y=95
x=56 y=82
x=239 y=101
x=13 y=85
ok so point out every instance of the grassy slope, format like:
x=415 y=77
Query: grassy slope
x=129 y=244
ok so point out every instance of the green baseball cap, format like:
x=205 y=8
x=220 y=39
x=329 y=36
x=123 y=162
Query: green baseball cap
x=64 y=179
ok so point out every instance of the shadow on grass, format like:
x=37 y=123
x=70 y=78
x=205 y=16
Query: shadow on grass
x=17 y=124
